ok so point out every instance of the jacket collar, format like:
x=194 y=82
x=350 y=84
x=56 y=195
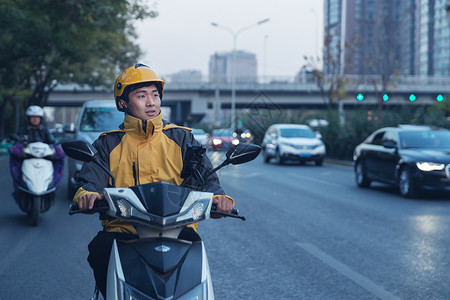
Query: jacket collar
x=141 y=128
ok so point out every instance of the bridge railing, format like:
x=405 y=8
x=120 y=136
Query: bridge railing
x=300 y=83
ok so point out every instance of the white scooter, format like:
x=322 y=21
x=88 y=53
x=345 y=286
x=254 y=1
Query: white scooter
x=36 y=191
x=159 y=265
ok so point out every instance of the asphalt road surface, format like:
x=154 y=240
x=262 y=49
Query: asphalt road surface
x=310 y=234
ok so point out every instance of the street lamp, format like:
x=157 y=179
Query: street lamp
x=235 y=35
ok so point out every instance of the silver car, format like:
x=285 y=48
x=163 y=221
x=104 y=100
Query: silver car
x=200 y=135
x=96 y=117
x=292 y=142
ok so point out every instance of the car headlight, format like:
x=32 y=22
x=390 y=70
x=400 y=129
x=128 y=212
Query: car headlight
x=235 y=142
x=429 y=166
x=217 y=142
x=321 y=144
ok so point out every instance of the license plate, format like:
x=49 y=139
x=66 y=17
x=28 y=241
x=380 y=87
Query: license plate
x=305 y=154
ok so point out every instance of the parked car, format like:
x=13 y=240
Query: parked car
x=294 y=142
x=414 y=158
x=222 y=139
x=96 y=117
x=200 y=135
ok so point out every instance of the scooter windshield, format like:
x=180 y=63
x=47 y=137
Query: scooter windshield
x=161 y=198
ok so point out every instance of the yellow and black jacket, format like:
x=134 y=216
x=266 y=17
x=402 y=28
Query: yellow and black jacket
x=140 y=152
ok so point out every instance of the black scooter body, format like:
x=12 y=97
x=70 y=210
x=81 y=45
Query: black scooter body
x=161 y=267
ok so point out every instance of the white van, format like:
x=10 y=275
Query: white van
x=96 y=117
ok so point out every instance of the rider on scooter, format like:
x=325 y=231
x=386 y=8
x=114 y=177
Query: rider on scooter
x=35 y=131
x=144 y=149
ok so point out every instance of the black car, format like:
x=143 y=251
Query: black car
x=414 y=158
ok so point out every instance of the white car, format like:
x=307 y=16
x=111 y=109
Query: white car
x=200 y=135
x=292 y=142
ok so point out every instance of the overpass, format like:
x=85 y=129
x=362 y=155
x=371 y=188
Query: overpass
x=190 y=102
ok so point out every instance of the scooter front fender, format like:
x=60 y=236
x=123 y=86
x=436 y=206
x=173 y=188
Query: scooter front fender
x=159 y=268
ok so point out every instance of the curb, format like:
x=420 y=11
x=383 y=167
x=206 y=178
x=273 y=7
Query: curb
x=348 y=163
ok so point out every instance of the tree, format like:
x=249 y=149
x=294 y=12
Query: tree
x=332 y=82
x=385 y=52
x=51 y=42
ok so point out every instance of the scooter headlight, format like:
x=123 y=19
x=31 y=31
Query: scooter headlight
x=125 y=209
x=131 y=293
x=199 y=292
x=196 y=213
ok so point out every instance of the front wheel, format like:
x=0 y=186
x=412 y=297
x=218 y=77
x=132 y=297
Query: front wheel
x=405 y=184
x=360 y=175
x=278 y=158
x=34 y=215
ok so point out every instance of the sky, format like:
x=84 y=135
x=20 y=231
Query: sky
x=182 y=37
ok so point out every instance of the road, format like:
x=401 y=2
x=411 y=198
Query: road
x=310 y=234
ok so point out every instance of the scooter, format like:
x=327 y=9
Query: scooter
x=159 y=265
x=36 y=192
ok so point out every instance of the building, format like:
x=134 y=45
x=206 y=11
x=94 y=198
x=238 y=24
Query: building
x=221 y=67
x=187 y=76
x=387 y=37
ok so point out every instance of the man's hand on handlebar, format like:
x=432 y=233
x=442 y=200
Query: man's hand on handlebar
x=87 y=201
x=223 y=204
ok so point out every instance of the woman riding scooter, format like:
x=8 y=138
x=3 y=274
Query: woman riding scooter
x=35 y=131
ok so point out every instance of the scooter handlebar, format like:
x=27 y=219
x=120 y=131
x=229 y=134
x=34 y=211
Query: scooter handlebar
x=234 y=213
x=99 y=206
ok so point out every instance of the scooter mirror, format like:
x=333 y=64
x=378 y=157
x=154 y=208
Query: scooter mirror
x=79 y=150
x=242 y=153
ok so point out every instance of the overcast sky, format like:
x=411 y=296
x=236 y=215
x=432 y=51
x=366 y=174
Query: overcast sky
x=182 y=37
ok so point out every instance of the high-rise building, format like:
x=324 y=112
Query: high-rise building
x=433 y=57
x=221 y=67
x=187 y=76
x=364 y=34
x=408 y=37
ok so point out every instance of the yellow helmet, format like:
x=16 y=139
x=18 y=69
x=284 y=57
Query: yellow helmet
x=132 y=75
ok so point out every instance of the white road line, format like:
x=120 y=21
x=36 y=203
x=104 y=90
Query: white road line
x=18 y=249
x=23 y=244
x=347 y=272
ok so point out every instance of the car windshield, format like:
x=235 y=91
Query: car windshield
x=425 y=139
x=198 y=131
x=296 y=133
x=224 y=133
x=101 y=119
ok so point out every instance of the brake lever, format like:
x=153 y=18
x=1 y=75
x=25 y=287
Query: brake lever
x=234 y=213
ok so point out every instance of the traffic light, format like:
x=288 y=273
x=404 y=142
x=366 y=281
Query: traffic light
x=360 y=97
x=440 y=98
x=385 y=97
x=412 y=97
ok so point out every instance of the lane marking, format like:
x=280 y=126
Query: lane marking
x=359 y=279
x=24 y=242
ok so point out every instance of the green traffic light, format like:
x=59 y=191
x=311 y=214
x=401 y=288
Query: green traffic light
x=385 y=97
x=360 y=97
x=440 y=98
x=412 y=97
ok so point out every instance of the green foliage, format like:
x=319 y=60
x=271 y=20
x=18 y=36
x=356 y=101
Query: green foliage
x=47 y=42
x=360 y=123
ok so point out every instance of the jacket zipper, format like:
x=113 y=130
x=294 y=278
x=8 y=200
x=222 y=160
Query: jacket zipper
x=134 y=173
